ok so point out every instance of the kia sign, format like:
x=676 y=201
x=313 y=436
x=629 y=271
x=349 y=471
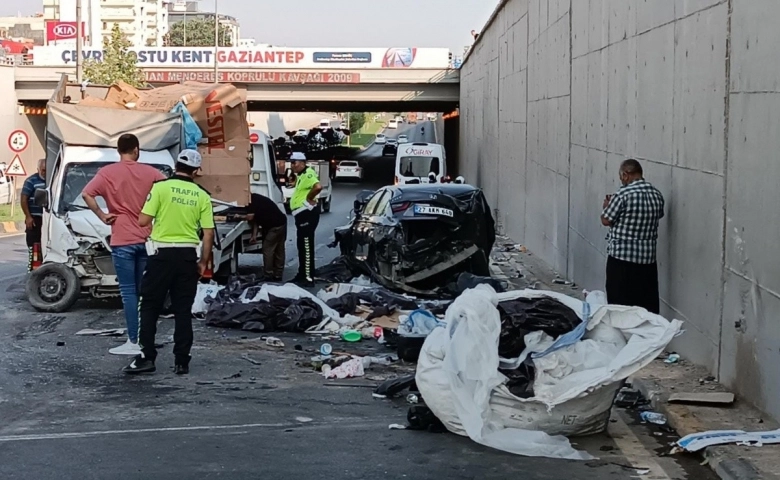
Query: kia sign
x=57 y=30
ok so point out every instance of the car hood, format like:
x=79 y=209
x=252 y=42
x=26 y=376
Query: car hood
x=87 y=224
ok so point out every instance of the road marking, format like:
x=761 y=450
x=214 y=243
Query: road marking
x=634 y=451
x=202 y=428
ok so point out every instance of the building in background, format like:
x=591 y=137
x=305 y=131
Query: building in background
x=144 y=22
x=24 y=30
x=183 y=10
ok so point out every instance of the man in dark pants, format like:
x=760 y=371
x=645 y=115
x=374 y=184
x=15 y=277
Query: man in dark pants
x=306 y=211
x=179 y=208
x=33 y=214
x=632 y=215
x=265 y=214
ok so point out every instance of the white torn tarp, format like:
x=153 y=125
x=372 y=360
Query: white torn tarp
x=697 y=441
x=575 y=382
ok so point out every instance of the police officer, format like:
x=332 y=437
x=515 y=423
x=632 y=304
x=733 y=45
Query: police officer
x=306 y=211
x=179 y=208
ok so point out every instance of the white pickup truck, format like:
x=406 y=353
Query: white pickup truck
x=75 y=244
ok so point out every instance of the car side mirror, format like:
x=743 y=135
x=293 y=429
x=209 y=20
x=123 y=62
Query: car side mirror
x=41 y=198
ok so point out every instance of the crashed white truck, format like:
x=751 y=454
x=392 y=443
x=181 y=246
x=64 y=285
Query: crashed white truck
x=75 y=244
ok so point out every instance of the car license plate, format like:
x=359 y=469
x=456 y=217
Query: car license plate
x=424 y=210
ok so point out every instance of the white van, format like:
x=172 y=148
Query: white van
x=324 y=124
x=415 y=161
x=392 y=124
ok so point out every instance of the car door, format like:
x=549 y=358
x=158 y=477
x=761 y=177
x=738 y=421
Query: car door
x=6 y=188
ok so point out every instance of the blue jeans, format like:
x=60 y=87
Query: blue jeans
x=130 y=263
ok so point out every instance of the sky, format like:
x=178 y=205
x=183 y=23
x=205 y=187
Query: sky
x=342 y=23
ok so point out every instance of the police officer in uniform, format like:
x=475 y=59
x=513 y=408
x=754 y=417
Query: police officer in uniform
x=179 y=208
x=306 y=211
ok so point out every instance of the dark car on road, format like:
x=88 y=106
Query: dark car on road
x=390 y=148
x=416 y=238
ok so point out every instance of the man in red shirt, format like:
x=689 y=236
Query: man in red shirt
x=124 y=186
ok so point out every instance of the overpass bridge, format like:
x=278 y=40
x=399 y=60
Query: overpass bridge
x=283 y=90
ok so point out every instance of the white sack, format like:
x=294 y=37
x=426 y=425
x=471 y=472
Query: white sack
x=199 y=306
x=575 y=386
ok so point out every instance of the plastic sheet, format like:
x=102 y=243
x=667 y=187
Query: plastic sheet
x=524 y=315
x=192 y=133
x=458 y=375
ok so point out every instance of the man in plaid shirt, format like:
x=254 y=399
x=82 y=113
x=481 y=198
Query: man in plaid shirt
x=632 y=215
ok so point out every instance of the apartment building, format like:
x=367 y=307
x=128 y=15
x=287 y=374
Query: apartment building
x=144 y=22
x=183 y=10
x=23 y=29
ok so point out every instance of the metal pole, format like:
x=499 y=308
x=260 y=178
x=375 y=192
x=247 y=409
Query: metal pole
x=185 y=29
x=79 y=34
x=216 y=41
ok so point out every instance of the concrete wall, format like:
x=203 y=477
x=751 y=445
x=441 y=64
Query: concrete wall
x=11 y=120
x=556 y=93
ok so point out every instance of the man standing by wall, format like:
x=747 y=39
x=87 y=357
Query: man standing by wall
x=306 y=212
x=33 y=214
x=124 y=186
x=632 y=215
x=179 y=208
x=265 y=214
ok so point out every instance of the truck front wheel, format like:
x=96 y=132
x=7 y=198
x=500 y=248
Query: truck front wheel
x=53 y=288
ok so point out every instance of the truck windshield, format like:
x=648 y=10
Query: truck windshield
x=76 y=177
x=418 y=166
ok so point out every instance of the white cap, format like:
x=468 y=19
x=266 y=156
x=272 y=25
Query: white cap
x=297 y=157
x=189 y=157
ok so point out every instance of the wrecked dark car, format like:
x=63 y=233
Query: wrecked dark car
x=418 y=238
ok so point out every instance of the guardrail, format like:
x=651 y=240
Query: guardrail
x=17 y=59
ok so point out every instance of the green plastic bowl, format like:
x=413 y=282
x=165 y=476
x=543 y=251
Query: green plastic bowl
x=351 y=336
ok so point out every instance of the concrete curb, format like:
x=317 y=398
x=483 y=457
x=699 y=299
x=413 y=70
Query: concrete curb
x=12 y=227
x=726 y=464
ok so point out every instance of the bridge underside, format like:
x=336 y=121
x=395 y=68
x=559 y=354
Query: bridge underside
x=351 y=106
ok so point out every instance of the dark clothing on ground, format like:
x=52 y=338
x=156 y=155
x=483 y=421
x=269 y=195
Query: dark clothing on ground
x=274 y=241
x=306 y=224
x=267 y=214
x=173 y=270
x=633 y=284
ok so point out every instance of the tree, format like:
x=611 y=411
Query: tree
x=356 y=121
x=118 y=63
x=198 y=32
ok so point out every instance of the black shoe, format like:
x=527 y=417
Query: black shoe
x=304 y=282
x=181 y=369
x=140 y=365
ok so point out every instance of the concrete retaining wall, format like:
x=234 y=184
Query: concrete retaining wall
x=556 y=93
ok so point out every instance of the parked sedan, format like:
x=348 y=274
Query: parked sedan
x=349 y=169
x=417 y=238
x=390 y=148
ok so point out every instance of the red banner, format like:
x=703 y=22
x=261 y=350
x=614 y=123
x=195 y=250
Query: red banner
x=176 y=76
x=57 y=30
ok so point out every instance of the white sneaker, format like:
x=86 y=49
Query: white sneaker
x=127 y=348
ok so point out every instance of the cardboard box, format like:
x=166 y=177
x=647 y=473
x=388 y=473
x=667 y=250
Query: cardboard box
x=226 y=178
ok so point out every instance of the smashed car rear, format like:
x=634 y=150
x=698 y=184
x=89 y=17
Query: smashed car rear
x=419 y=238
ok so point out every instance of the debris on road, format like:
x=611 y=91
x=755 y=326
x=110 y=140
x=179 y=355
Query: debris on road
x=697 y=441
x=707 y=398
x=274 y=342
x=109 y=332
x=251 y=360
x=672 y=358
x=653 y=417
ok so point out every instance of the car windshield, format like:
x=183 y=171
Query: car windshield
x=77 y=175
x=419 y=166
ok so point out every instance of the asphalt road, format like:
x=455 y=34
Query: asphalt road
x=69 y=413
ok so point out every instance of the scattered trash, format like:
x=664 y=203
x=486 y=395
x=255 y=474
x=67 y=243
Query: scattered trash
x=628 y=398
x=672 y=358
x=418 y=322
x=60 y=344
x=303 y=419
x=326 y=349
x=607 y=448
x=298 y=348
x=350 y=369
x=710 y=398
x=396 y=426
x=204 y=296
x=561 y=281
x=697 y=441
x=274 y=342
x=235 y=375
x=420 y=417
x=349 y=385
x=111 y=332
x=393 y=387
x=412 y=399
x=251 y=360
x=653 y=417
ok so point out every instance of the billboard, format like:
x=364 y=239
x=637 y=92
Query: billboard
x=57 y=30
x=262 y=57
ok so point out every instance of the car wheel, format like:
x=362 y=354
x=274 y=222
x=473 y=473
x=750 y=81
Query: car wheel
x=53 y=288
